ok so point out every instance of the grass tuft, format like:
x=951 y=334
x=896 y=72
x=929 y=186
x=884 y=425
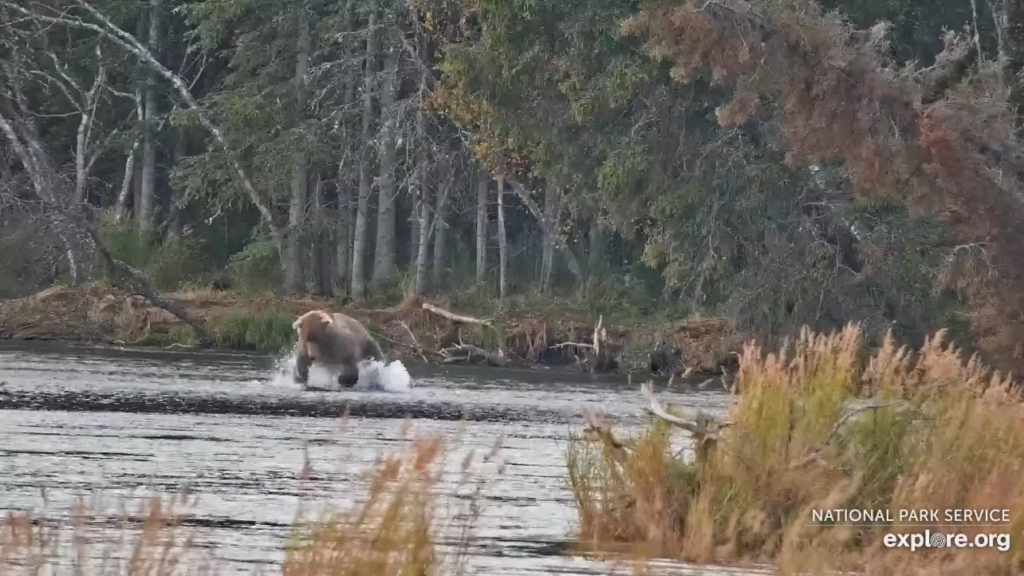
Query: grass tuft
x=936 y=433
x=272 y=333
x=146 y=536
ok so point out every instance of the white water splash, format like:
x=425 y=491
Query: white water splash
x=373 y=375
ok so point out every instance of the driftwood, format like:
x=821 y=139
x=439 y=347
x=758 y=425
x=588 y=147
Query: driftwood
x=462 y=352
x=469 y=353
x=704 y=428
x=415 y=343
x=596 y=356
x=598 y=431
x=455 y=317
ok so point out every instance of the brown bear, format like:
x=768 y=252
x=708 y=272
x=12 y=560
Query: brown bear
x=336 y=341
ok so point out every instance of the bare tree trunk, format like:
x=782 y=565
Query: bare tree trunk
x=124 y=196
x=321 y=245
x=359 y=244
x=362 y=206
x=502 y=240
x=423 y=234
x=136 y=189
x=343 y=182
x=294 y=273
x=131 y=190
x=597 y=250
x=481 y=225
x=998 y=10
x=384 y=248
x=552 y=211
x=421 y=227
x=550 y=229
x=1013 y=65
x=83 y=164
x=343 y=254
x=147 y=200
x=173 y=210
x=440 y=226
x=415 y=197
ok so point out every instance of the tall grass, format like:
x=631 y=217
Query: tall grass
x=938 y=433
x=258 y=332
x=394 y=530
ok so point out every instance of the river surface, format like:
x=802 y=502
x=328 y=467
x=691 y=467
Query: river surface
x=79 y=421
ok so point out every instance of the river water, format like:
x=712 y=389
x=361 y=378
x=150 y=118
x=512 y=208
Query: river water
x=78 y=421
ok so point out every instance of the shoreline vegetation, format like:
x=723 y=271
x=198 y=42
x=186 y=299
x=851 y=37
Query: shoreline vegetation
x=521 y=333
x=824 y=423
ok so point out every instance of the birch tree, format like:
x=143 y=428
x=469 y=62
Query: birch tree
x=481 y=226
x=365 y=159
x=151 y=104
x=295 y=278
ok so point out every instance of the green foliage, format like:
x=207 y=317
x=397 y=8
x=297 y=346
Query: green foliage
x=27 y=259
x=169 y=264
x=257 y=267
x=271 y=333
x=732 y=230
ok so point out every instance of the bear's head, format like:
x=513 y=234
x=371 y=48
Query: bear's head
x=312 y=327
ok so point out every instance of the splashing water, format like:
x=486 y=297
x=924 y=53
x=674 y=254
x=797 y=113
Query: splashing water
x=373 y=375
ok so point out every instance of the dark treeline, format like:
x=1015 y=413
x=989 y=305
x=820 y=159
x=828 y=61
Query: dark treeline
x=776 y=163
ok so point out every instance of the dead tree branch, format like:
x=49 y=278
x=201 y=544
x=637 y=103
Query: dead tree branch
x=471 y=353
x=455 y=317
x=111 y=32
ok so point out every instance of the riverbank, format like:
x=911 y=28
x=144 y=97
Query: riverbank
x=433 y=331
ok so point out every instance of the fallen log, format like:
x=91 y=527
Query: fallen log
x=455 y=317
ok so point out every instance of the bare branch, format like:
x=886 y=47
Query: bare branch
x=701 y=424
x=129 y=43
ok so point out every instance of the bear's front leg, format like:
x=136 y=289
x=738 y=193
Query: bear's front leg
x=302 y=363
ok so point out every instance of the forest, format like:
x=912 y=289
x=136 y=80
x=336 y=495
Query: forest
x=778 y=163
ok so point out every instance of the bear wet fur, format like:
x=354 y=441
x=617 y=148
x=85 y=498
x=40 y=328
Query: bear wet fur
x=335 y=341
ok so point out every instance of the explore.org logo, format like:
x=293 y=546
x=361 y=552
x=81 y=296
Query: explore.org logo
x=929 y=539
x=920 y=522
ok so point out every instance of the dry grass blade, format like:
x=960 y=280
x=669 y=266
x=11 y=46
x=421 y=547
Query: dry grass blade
x=396 y=529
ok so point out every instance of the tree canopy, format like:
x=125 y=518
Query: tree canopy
x=776 y=162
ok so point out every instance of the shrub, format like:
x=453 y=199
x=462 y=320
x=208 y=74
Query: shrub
x=169 y=264
x=256 y=268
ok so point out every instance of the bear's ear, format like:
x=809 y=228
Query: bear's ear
x=312 y=325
